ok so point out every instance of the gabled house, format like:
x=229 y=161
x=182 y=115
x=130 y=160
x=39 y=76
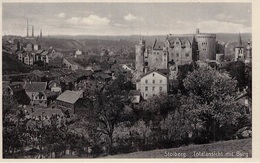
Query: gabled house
x=67 y=101
x=43 y=113
x=29 y=47
x=71 y=64
x=67 y=83
x=36 y=93
x=16 y=92
x=37 y=76
x=152 y=83
x=134 y=96
x=28 y=58
x=45 y=57
x=54 y=86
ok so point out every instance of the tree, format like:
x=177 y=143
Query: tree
x=240 y=72
x=108 y=108
x=210 y=104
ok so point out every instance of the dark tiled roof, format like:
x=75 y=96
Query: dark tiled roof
x=35 y=86
x=151 y=71
x=164 y=71
x=16 y=87
x=134 y=92
x=47 y=112
x=39 y=73
x=67 y=79
x=84 y=72
x=96 y=68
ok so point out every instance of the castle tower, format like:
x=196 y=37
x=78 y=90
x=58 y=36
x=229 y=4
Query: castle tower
x=206 y=45
x=165 y=57
x=248 y=53
x=239 y=50
x=139 y=58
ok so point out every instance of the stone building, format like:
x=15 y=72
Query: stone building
x=174 y=51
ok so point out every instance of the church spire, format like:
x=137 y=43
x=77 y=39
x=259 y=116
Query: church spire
x=239 y=40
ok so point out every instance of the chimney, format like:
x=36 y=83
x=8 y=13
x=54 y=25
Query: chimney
x=32 y=31
x=27 y=29
x=41 y=34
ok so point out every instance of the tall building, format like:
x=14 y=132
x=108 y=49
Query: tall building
x=239 y=50
x=41 y=33
x=248 y=53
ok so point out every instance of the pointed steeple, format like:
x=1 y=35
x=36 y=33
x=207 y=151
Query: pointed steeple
x=239 y=40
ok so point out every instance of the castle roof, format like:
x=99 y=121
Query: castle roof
x=182 y=38
x=158 y=45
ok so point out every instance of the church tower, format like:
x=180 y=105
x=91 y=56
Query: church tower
x=248 y=52
x=139 y=58
x=239 y=50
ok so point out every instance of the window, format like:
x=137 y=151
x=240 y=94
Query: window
x=146 y=95
x=153 y=94
x=160 y=81
x=146 y=88
x=160 y=89
x=153 y=88
x=177 y=43
x=177 y=54
x=187 y=54
x=153 y=81
x=146 y=81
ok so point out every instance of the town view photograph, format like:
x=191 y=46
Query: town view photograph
x=126 y=80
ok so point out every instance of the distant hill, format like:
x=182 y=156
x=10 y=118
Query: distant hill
x=221 y=37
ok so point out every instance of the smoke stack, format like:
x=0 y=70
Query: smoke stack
x=32 y=31
x=41 y=34
x=27 y=29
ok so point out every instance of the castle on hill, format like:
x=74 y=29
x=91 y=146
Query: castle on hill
x=174 y=51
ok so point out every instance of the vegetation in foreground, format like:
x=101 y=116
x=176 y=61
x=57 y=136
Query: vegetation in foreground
x=226 y=149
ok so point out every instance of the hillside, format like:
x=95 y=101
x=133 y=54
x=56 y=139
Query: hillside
x=221 y=37
x=240 y=149
x=11 y=65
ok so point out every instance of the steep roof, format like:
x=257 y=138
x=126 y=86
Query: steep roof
x=67 y=79
x=39 y=73
x=182 y=38
x=151 y=71
x=158 y=45
x=134 y=92
x=16 y=87
x=35 y=86
x=70 y=96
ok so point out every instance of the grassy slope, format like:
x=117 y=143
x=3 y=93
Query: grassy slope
x=240 y=147
x=13 y=65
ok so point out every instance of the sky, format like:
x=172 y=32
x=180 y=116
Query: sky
x=126 y=18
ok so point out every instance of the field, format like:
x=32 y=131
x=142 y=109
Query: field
x=226 y=149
